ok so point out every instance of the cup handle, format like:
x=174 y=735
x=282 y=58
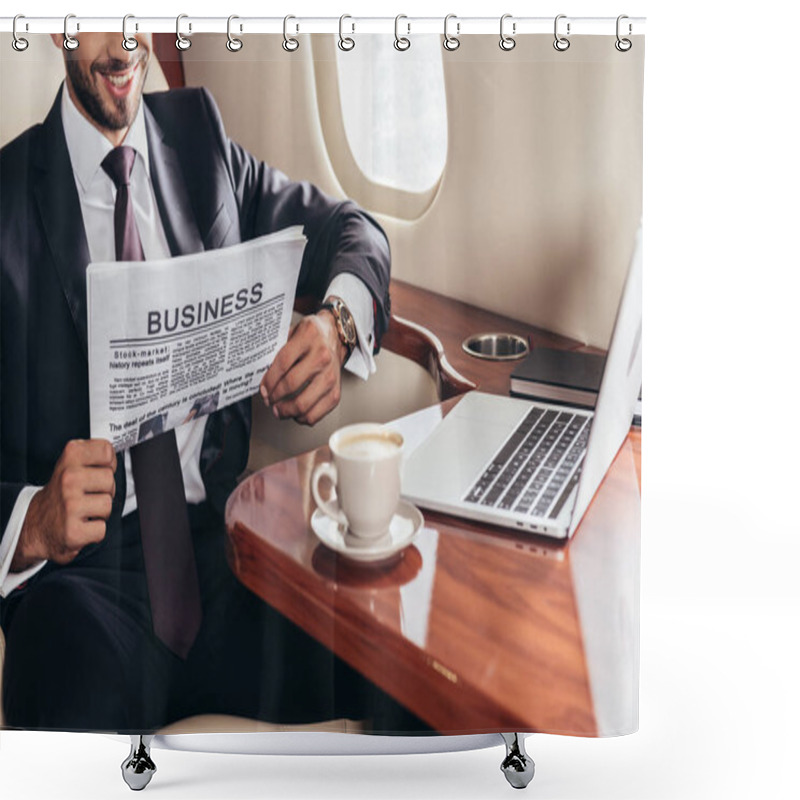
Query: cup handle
x=329 y=507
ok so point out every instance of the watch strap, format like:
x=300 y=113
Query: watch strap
x=334 y=305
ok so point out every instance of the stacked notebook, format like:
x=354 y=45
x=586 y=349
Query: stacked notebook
x=562 y=376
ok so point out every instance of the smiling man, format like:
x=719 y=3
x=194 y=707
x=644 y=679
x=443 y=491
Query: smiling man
x=119 y=609
x=107 y=89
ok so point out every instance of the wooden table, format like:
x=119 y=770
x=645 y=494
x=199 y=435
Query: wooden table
x=476 y=629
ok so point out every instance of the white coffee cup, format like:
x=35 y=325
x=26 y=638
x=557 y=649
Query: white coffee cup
x=366 y=475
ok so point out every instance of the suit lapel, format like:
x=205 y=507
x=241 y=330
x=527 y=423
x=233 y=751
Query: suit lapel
x=60 y=211
x=59 y=207
x=169 y=185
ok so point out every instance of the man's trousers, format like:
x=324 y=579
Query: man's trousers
x=82 y=656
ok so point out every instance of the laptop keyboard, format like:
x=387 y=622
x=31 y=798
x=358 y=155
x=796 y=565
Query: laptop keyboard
x=536 y=469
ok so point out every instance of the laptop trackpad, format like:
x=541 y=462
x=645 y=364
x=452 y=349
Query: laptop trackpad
x=453 y=457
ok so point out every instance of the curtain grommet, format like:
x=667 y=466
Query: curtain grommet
x=507 y=42
x=290 y=44
x=233 y=44
x=70 y=42
x=401 y=43
x=560 y=43
x=129 y=43
x=346 y=43
x=451 y=43
x=181 y=42
x=19 y=43
x=623 y=44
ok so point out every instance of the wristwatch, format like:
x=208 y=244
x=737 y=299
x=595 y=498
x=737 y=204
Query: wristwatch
x=345 y=324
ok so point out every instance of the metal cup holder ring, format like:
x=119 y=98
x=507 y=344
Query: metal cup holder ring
x=496 y=346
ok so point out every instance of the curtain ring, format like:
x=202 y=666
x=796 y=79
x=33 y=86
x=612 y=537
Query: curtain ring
x=451 y=43
x=128 y=42
x=507 y=42
x=18 y=43
x=561 y=43
x=623 y=45
x=70 y=42
x=290 y=44
x=233 y=44
x=346 y=43
x=181 y=42
x=401 y=42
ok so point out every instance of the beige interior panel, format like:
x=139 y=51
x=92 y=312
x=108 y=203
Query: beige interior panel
x=268 y=101
x=536 y=211
x=29 y=81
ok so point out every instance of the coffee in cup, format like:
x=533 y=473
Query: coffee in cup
x=365 y=472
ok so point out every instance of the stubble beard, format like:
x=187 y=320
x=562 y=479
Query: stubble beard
x=114 y=113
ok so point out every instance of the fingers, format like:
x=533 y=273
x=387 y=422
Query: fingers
x=95 y=530
x=315 y=362
x=314 y=401
x=323 y=406
x=93 y=479
x=87 y=466
x=89 y=453
x=83 y=508
x=70 y=511
x=95 y=506
x=85 y=524
x=298 y=345
x=77 y=500
x=304 y=380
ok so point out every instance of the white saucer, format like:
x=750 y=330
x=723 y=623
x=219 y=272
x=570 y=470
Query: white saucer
x=403 y=529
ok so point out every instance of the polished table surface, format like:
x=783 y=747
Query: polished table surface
x=475 y=628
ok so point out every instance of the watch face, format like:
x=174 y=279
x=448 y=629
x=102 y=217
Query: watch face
x=348 y=324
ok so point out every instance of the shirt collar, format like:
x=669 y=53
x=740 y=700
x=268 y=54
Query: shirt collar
x=88 y=147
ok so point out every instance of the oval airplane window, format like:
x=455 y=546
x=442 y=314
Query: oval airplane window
x=394 y=113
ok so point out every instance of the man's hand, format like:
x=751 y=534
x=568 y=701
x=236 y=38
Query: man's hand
x=71 y=510
x=304 y=381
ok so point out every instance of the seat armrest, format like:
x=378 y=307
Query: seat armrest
x=418 y=344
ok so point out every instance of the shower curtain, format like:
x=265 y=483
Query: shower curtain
x=491 y=185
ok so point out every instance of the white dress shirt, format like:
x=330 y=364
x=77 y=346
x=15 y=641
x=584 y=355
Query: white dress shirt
x=87 y=148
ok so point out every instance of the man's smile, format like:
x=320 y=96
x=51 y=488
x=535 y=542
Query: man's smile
x=118 y=82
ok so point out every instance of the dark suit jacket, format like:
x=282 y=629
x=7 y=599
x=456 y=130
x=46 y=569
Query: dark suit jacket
x=210 y=193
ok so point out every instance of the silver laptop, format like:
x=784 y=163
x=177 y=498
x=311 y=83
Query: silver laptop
x=530 y=465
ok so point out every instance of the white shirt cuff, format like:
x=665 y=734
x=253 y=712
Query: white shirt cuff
x=359 y=300
x=8 y=545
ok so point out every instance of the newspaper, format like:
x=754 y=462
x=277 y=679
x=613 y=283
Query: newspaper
x=175 y=339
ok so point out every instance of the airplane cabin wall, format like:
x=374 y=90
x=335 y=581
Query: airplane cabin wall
x=535 y=213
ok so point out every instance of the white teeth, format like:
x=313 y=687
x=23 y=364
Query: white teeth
x=120 y=80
